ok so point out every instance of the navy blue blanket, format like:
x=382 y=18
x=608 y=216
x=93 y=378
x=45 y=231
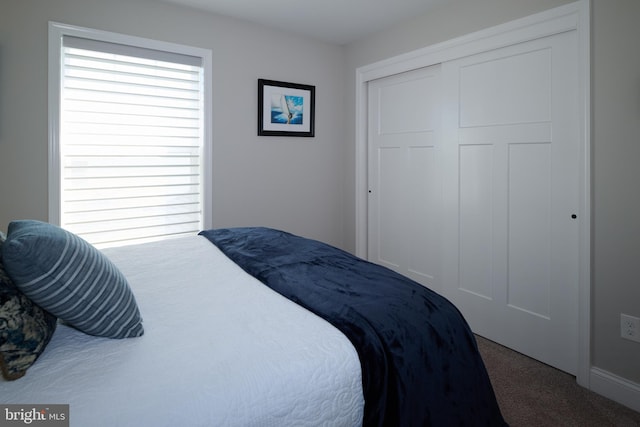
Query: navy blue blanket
x=420 y=362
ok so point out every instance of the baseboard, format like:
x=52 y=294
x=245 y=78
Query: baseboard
x=615 y=388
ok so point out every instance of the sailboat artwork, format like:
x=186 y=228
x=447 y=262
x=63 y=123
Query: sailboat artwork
x=287 y=109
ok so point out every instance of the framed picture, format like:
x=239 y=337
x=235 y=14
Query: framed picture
x=285 y=109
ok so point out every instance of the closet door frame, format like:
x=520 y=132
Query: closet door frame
x=571 y=17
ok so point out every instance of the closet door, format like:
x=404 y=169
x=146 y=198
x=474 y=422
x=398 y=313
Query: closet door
x=405 y=184
x=511 y=187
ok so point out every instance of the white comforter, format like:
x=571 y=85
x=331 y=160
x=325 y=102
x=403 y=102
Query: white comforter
x=219 y=349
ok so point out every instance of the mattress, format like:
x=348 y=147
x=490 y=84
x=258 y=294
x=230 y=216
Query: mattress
x=219 y=348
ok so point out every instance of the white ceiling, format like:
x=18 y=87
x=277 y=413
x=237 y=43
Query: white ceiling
x=335 y=21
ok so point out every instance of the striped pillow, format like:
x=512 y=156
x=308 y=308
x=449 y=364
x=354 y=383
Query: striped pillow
x=71 y=279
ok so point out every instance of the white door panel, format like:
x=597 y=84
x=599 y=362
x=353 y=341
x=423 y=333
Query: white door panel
x=511 y=252
x=515 y=88
x=476 y=219
x=473 y=181
x=405 y=174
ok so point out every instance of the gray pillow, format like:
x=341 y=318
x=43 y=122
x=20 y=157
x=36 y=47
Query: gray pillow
x=71 y=279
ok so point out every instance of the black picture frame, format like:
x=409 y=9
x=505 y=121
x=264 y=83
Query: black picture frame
x=285 y=109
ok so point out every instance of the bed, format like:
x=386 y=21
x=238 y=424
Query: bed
x=239 y=331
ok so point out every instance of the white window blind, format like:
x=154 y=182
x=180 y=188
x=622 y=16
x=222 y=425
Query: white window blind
x=131 y=142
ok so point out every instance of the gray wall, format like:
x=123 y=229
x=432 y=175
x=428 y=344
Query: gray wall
x=290 y=183
x=616 y=179
x=615 y=146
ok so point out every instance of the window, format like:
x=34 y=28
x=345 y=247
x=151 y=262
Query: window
x=129 y=150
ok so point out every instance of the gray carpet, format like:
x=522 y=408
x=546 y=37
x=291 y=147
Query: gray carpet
x=531 y=393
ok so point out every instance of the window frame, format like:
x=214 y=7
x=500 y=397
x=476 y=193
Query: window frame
x=57 y=31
